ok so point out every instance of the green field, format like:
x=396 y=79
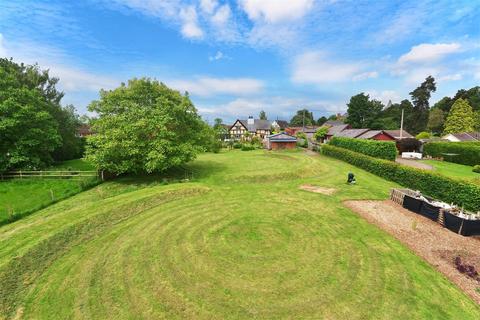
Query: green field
x=20 y=197
x=454 y=170
x=240 y=241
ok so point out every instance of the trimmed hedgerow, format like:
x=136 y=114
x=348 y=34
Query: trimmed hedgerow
x=377 y=149
x=467 y=153
x=460 y=192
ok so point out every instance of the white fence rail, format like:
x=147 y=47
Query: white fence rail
x=50 y=174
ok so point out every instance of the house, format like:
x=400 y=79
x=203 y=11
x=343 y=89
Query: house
x=255 y=127
x=385 y=135
x=281 y=141
x=334 y=130
x=351 y=133
x=83 y=131
x=462 y=137
x=308 y=130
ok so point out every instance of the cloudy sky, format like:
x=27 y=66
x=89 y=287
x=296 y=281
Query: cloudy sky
x=240 y=56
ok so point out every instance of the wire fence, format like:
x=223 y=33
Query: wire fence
x=50 y=174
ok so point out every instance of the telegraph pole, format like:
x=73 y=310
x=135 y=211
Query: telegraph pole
x=401 y=126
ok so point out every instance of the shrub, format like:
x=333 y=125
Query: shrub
x=378 y=149
x=423 y=135
x=248 y=147
x=409 y=145
x=476 y=168
x=460 y=192
x=467 y=153
x=302 y=140
x=237 y=145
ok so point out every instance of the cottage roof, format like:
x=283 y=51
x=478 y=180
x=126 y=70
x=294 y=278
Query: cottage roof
x=282 y=123
x=334 y=123
x=259 y=124
x=336 y=129
x=396 y=134
x=351 y=133
x=281 y=137
x=467 y=136
x=370 y=134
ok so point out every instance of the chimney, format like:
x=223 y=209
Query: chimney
x=250 y=120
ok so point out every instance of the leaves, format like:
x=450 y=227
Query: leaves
x=460 y=118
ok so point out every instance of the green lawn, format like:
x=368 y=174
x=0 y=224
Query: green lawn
x=454 y=170
x=240 y=241
x=21 y=197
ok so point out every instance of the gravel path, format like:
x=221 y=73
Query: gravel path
x=437 y=245
x=414 y=164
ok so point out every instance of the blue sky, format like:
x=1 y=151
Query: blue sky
x=238 y=57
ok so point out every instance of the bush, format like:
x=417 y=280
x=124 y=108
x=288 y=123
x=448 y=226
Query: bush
x=476 y=168
x=423 y=135
x=378 y=149
x=460 y=192
x=248 y=147
x=237 y=145
x=467 y=153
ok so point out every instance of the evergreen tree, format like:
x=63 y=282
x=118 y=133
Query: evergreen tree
x=420 y=96
x=262 y=115
x=436 y=120
x=302 y=117
x=362 y=112
x=321 y=121
x=460 y=118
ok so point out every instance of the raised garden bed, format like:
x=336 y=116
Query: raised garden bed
x=453 y=218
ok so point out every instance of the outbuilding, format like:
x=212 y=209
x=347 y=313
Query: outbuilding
x=281 y=141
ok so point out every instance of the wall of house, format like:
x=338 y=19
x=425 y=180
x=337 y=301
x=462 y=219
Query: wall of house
x=283 y=145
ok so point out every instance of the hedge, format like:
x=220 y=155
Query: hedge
x=378 y=149
x=460 y=192
x=467 y=153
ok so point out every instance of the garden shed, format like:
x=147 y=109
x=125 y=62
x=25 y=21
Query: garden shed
x=281 y=141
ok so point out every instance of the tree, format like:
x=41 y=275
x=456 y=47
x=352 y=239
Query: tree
x=436 y=119
x=321 y=121
x=263 y=115
x=302 y=117
x=217 y=123
x=145 y=126
x=28 y=130
x=72 y=146
x=477 y=120
x=460 y=118
x=320 y=133
x=472 y=95
x=391 y=116
x=420 y=96
x=362 y=112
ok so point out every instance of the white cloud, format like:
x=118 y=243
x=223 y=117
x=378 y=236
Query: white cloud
x=208 y=6
x=190 y=27
x=385 y=96
x=365 y=75
x=313 y=68
x=274 y=11
x=208 y=86
x=426 y=52
x=218 y=56
x=450 y=77
x=222 y=15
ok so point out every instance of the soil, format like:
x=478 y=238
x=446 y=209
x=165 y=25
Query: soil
x=317 y=189
x=428 y=239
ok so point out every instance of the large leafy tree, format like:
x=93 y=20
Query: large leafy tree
x=362 y=112
x=302 y=117
x=321 y=120
x=29 y=103
x=144 y=126
x=436 y=120
x=472 y=95
x=390 y=117
x=460 y=118
x=418 y=120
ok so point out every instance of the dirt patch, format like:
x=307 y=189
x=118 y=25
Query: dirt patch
x=317 y=189
x=429 y=240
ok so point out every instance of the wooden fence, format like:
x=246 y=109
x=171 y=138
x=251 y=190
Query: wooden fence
x=70 y=174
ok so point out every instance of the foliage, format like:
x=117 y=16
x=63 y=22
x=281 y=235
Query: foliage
x=409 y=145
x=262 y=115
x=302 y=140
x=378 y=149
x=320 y=133
x=145 y=127
x=390 y=117
x=477 y=120
x=237 y=145
x=476 y=168
x=435 y=185
x=458 y=152
x=472 y=95
x=460 y=118
x=423 y=135
x=34 y=128
x=247 y=147
x=321 y=121
x=436 y=120
x=302 y=117
x=420 y=96
x=362 y=111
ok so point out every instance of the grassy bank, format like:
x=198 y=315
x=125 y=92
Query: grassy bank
x=240 y=241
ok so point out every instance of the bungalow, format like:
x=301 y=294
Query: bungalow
x=281 y=141
x=462 y=137
x=255 y=127
x=351 y=133
x=385 y=135
x=308 y=130
x=335 y=129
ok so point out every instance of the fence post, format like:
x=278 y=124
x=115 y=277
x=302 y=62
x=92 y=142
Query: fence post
x=20 y=174
x=102 y=176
